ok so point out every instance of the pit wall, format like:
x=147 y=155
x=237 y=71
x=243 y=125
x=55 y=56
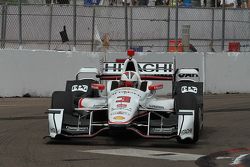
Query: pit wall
x=39 y=73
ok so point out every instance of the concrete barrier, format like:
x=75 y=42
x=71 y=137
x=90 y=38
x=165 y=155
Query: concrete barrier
x=227 y=72
x=39 y=73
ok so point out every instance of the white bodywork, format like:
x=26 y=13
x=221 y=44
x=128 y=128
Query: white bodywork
x=99 y=102
x=124 y=104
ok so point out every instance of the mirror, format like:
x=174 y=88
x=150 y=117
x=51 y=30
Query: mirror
x=98 y=86
x=155 y=86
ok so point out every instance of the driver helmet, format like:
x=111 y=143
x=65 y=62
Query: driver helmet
x=129 y=79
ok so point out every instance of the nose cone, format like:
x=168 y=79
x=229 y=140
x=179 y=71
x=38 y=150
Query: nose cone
x=121 y=116
x=123 y=106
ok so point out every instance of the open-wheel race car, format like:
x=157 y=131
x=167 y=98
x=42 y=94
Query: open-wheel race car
x=130 y=102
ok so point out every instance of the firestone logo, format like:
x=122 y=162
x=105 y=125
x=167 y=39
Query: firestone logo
x=191 y=89
x=82 y=88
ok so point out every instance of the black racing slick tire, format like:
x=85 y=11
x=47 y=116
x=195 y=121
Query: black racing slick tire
x=187 y=102
x=62 y=100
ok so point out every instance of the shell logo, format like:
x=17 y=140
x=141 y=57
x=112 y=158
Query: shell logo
x=119 y=118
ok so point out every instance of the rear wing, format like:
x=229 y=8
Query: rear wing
x=147 y=71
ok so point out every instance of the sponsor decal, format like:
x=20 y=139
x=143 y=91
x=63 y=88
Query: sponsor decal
x=163 y=130
x=119 y=117
x=99 y=105
x=120 y=113
x=154 y=106
x=188 y=75
x=186 y=131
x=121 y=105
x=52 y=130
x=123 y=99
x=71 y=128
x=124 y=109
x=128 y=109
x=144 y=68
x=82 y=88
x=126 y=92
x=190 y=89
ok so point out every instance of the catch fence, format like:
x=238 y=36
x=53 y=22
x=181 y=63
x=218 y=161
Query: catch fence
x=116 y=28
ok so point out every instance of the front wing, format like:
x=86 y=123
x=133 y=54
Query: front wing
x=149 y=123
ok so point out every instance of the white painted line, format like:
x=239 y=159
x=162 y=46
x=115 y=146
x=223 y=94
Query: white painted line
x=172 y=156
x=224 y=158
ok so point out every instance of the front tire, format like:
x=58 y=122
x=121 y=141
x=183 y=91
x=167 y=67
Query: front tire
x=189 y=101
x=197 y=130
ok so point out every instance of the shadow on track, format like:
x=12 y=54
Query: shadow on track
x=124 y=140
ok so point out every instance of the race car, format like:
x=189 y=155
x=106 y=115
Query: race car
x=129 y=102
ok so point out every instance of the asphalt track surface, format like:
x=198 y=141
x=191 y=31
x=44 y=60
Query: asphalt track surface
x=23 y=125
